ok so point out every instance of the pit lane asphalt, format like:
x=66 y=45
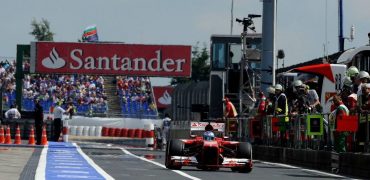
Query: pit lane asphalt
x=121 y=165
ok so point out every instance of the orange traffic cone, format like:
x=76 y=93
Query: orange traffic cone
x=44 y=139
x=2 y=140
x=31 y=139
x=17 y=139
x=8 y=139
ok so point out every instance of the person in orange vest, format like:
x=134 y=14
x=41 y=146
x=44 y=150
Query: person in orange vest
x=230 y=111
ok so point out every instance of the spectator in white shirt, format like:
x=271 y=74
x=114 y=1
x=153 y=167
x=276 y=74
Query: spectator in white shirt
x=13 y=113
x=58 y=116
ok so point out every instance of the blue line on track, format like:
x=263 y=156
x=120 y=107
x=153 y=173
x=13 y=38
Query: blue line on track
x=64 y=162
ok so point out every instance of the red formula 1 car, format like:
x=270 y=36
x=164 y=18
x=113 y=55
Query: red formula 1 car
x=209 y=154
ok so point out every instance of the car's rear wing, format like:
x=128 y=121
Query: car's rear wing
x=200 y=126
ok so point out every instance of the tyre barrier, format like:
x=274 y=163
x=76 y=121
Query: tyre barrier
x=92 y=131
x=85 y=131
x=104 y=131
x=131 y=133
x=98 y=131
x=138 y=133
x=149 y=137
x=117 y=132
x=111 y=132
x=124 y=132
x=65 y=133
x=79 y=130
x=72 y=130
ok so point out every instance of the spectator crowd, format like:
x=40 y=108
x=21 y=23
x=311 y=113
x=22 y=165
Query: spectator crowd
x=300 y=99
x=85 y=92
x=136 y=98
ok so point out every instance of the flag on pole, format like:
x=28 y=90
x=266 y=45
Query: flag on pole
x=90 y=34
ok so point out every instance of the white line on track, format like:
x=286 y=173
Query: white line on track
x=92 y=163
x=160 y=165
x=302 y=169
x=40 y=171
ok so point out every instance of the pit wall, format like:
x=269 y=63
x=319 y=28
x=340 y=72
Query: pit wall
x=350 y=164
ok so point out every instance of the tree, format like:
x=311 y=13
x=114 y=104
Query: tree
x=200 y=69
x=41 y=30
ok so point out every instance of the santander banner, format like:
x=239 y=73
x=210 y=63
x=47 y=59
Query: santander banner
x=111 y=59
x=163 y=96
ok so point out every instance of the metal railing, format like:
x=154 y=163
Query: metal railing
x=295 y=133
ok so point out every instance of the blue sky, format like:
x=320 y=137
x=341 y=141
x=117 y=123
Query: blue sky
x=300 y=30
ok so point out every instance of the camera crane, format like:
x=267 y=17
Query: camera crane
x=247 y=95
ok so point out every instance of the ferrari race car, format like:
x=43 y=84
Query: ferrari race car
x=209 y=154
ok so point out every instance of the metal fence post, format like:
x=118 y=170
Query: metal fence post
x=329 y=145
x=367 y=133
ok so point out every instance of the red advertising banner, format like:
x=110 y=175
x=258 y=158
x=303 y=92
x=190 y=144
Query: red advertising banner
x=111 y=59
x=275 y=124
x=347 y=123
x=163 y=96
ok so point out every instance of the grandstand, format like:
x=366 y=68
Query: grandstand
x=136 y=97
x=87 y=93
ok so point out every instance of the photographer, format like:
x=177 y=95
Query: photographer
x=307 y=100
x=300 y=104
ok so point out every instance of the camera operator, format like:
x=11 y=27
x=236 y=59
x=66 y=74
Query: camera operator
x=348 y=97
x=300 y=104
x=308 y=100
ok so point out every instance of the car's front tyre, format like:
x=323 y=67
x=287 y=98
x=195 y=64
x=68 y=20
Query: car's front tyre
x=174 y=148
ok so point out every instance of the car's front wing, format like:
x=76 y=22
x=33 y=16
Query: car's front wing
x=227 y=162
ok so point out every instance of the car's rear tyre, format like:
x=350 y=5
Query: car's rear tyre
x=174 y=148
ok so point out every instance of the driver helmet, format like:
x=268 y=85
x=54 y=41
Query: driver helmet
x=208 y=136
